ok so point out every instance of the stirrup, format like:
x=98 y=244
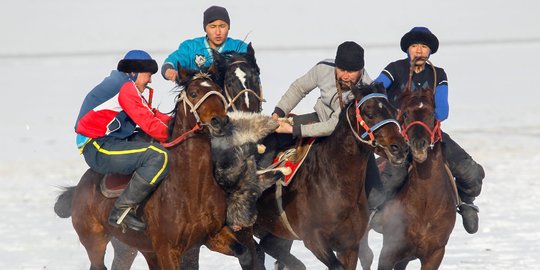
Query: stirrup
x=475 y=207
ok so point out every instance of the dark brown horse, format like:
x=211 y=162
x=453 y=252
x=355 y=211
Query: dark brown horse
x=239 y=76
x=326 y=205
x=417 y=222
x=187 y=209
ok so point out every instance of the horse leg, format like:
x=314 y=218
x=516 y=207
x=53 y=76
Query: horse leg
x=323 y=252
x=151 y=260
x=95 y=242
x=390 y=255
x=349 y=257
x=365 y=254
x=123 y=255
x=433 y=260
x=401 y=265
x=167 y=256
x=226 y=242
x=280 y=249
x=190 y=259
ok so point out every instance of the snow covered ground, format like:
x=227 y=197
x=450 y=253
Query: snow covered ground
x=53 y=52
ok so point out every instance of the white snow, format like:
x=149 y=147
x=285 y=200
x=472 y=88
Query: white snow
x=53 y=52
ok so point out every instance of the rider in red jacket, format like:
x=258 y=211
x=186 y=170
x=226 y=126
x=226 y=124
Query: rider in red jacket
x=107 y=120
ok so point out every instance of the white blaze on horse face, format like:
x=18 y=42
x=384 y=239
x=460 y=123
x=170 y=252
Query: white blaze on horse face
x=380 y=105
x=241 y=75
x=421 y=105
x=205 y=84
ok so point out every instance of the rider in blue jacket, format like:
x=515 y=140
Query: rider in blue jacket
x=420 y=43
x=196 y=54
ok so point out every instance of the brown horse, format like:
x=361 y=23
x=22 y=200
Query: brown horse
x=417 y=222
x=187 y=209
x=239 y=76
x=326 y=205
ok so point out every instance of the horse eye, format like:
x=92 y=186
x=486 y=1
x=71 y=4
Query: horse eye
x=369 y=116
x=193 y=94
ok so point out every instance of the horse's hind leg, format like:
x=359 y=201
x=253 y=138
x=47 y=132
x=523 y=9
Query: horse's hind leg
x=123 y=255
x=433 y=261
x=95 y=243
x=349 y=257
x=365 y=254
x=190 y=259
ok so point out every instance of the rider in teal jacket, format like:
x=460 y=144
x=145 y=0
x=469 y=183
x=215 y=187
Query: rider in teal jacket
x=196 y=54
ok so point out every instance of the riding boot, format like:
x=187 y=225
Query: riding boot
x=469 y=214
x=136 y=191
x=469 y=176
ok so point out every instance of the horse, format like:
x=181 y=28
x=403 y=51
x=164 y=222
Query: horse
x=418 y=220
x=187 y=209
x=239 y=77
x=326 y=205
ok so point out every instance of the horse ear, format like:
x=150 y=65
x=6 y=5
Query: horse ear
x=182 y=73
x=250 y=50
x=212 y=70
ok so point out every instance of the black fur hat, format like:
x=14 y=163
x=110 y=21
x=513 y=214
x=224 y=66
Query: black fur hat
x=137 y=61
x=215 y=13
x=350 y=56
x=420 y=35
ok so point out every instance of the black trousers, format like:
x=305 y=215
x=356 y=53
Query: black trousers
x=111 y=155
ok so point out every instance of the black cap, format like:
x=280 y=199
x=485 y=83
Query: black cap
x=420 y=35
x=215 y=13
x=137 y=61
x=350 y=56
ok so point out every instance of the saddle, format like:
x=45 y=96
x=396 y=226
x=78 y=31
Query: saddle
x=113 y=184
x=293 y=158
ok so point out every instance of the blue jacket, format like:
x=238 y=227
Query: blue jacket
x=196 y=54
x=396 y=76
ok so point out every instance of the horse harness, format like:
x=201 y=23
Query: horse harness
x=246 y=91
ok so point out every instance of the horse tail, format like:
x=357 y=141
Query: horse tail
x=62 y=207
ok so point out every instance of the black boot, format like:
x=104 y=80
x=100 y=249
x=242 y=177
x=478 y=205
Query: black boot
x=469 y=214
x=136 y=191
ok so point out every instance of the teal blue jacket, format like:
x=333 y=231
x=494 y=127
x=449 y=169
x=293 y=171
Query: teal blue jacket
x=196 y=54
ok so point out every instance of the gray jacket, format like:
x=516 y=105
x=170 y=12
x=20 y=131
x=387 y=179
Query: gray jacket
x=327 y=107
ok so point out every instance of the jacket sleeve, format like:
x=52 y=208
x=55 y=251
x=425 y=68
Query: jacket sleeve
x=300 y=88
x=324 y=128
x=179 y=56
x=136 y=108
x=442 y=107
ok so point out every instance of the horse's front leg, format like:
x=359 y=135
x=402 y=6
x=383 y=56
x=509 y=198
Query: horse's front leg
x=433 y=261
x=168 y=258
x=319 y=247
x=349 y=257
x=124 y=255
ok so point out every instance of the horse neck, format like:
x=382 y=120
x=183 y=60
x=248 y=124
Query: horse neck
x=342 y=154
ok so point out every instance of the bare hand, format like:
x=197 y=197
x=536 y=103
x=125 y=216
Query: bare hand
x=170 y=74
x=284 y=127
x=275 y=117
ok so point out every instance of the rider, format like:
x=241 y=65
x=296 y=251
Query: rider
x=420 y=43
x=106 y=121
x=196 y=54
x=346 y=70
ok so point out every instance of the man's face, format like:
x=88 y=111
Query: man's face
x=143 y=79
x=217 y=31
x=346 y=78
x=420 y=51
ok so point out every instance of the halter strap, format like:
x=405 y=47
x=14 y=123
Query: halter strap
x=237 y=96
x=435 y=134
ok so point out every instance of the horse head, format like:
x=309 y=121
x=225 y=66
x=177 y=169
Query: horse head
x=420 y=128
x=375 y=123
x=202 y=95
x=241 y=79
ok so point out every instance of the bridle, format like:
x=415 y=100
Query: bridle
x=360 y=122
x=244 y=91
x=435 y=133
x=193 y=109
